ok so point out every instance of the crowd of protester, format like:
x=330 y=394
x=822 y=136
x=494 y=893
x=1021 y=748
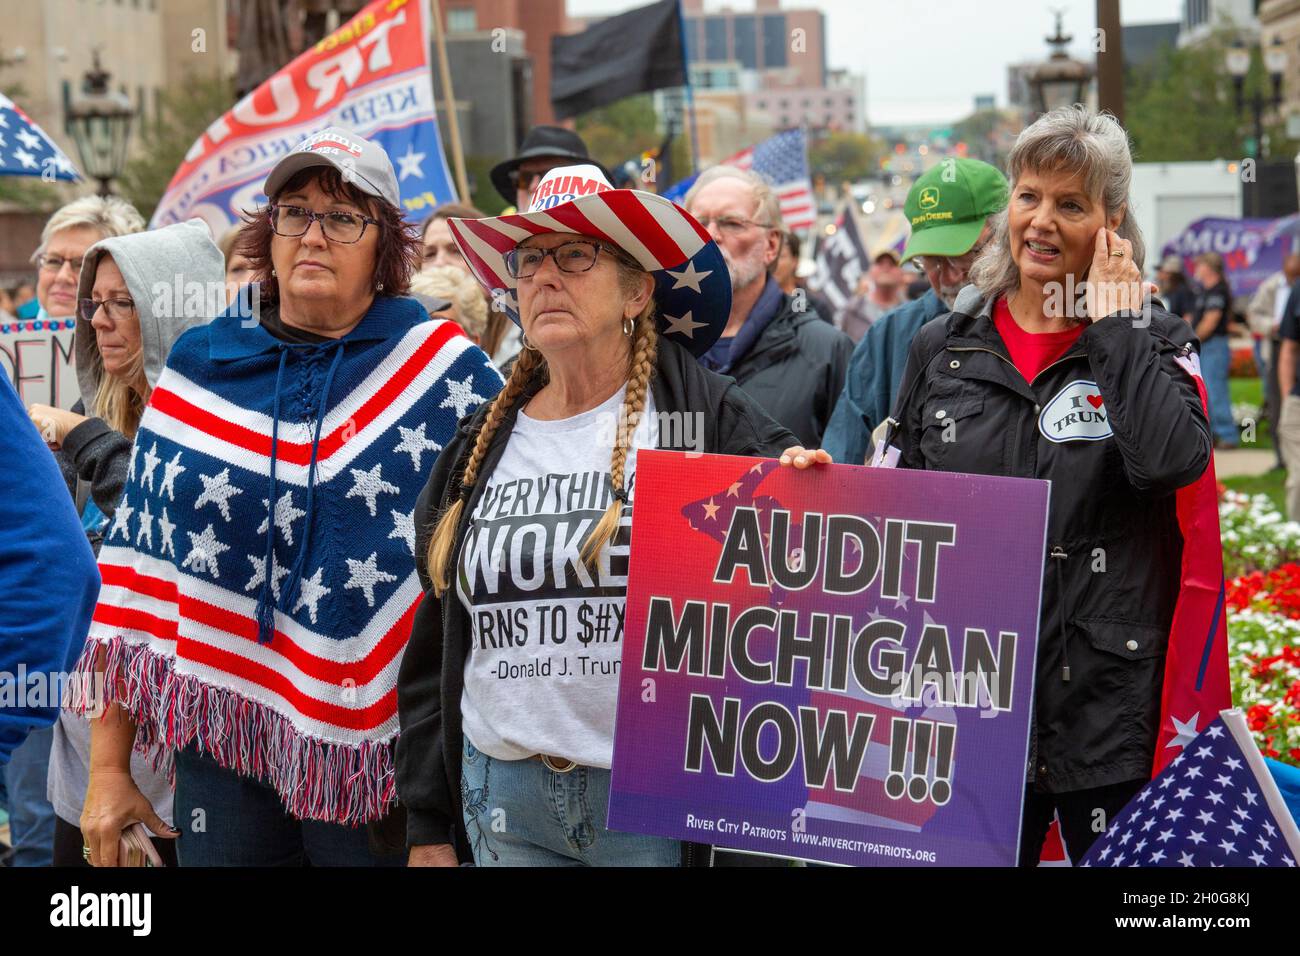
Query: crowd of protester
x=228 y=429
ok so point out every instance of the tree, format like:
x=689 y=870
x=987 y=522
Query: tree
x=629 y=127
x=845 y=157
x=1181 y=107
x=187 y=113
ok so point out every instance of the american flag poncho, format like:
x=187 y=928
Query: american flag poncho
x=258 y=577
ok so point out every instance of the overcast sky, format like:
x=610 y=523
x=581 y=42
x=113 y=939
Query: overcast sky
x=925 y=61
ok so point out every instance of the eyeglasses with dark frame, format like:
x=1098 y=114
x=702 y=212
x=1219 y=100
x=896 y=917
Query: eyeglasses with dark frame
x=577 y=255
x=294 y=221
x=118 y=309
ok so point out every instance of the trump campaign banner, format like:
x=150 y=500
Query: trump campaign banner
x=370 y=76
x=834 y=665
x=1252 y=249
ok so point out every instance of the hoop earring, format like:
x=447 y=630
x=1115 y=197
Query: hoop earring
x=528 y=345
x=629 y=326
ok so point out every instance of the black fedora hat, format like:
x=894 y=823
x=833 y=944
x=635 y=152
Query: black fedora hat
x=556 y=141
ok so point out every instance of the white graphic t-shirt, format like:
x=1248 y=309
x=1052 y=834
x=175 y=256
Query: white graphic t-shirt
x=546 y=632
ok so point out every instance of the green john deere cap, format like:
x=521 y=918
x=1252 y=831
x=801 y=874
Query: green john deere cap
x=947 y=206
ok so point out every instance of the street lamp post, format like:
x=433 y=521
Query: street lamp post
x=99 y=122
x=1061 y=80
x=1237 y=61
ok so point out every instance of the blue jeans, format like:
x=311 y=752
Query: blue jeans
x=520 y=813
x=1215 y=359
x=31 y=818
x=227 y=819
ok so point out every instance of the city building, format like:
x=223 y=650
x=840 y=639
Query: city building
x=1202 y=17
x=768 y=39
x=1143 y=42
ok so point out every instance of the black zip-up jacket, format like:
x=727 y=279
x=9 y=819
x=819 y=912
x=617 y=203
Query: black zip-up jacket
x=431 y=680
x=1114 y=550
x=795 y=371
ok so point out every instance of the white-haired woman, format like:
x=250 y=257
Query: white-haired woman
x=1030 y=377
x=467 y=307
x=542 y=478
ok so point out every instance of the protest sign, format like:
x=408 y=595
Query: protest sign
x=36 y=354
x=835 y=665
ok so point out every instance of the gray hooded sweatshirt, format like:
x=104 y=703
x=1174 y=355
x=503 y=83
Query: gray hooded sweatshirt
x=161 y=269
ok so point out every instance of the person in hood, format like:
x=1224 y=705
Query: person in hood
x=1022 y=379
x=125 y=330
x=259 y=574
x=777 y=350
x=66 y=236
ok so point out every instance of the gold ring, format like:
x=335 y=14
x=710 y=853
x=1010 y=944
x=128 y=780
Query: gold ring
x=85 y=852
x=1120 y=253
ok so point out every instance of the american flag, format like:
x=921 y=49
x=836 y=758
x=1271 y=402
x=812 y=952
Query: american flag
x=783 y=159
x=25 y=150
x=1215 y=804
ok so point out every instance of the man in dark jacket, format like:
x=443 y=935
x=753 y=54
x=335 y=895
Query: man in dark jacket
x=949 y=230
x=778 y=350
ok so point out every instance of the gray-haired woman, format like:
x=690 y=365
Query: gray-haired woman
x=1052 y=366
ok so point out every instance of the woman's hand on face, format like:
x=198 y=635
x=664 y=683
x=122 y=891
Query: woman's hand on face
x=800 y=457
x=1114 y=281
x=440 y=854
x=53 y=423
x=113 y=803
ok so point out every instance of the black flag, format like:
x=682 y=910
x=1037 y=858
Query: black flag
x=840 y=261
x=634 y=52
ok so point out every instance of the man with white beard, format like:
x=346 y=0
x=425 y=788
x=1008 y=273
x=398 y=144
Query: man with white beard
x=776 y=347
x=949 y=209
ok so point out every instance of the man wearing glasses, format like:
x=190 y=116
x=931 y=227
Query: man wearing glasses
x=775 y=345
x=544 y=148
x=949 y=209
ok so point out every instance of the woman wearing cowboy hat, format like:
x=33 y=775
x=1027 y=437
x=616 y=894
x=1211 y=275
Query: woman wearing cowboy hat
x=507 y=692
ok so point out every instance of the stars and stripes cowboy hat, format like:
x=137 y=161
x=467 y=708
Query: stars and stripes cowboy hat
x=692 y=285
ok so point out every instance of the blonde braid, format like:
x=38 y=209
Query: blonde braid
x=645 y=349
x=443 y=539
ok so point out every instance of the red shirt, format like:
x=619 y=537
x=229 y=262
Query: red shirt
x=1031 y=352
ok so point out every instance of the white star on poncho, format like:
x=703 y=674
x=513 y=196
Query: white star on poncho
x=146 y=526
x=415 y=444
x=404 y=527
x=369 y=485
x=166 y=526
x=130 y=465
x=688 y=278
x=310 y=591
x=285 y=515
x=121 y=520
x=461 y=395
x=365 y=575
x=218 y=490
x=204 y=551
x=683 y=325
x=151 y=460
x=259 y=574
x=170 y=471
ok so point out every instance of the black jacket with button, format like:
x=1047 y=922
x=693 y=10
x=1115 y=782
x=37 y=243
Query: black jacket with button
x=1110 y=590
x=795 y=370
x=432 y=676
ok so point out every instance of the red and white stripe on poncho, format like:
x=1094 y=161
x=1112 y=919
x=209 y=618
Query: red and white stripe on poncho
x=313 y=710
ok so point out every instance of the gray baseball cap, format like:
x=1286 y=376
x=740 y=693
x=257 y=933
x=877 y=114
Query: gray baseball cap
x=362 y=163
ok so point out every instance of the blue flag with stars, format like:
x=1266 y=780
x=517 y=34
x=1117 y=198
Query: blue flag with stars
x=1215 y=804
x=25 y=149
